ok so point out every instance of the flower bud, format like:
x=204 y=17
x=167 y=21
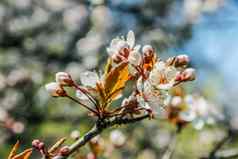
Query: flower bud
x=55 y=90
x=187 y=75
x=181 y=60
x=147 y=50
x=64 y=79
x=35 y=143
x=41 y=145
x=64 y=151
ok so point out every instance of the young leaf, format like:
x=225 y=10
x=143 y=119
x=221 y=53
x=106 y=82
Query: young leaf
x=14 y=150
x=115 y=80
x=24 y=155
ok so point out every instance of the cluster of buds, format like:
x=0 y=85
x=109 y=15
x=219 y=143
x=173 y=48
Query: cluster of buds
x=55 y=151
x=40 y=146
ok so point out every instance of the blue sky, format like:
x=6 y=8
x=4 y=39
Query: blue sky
x=214 y=44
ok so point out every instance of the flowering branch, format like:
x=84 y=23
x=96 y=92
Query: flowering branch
x=153 y=79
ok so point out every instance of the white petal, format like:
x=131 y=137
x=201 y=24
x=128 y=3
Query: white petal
x=146 y=49
x=89 y=79
x=134 y=58
x=52 y=88
x=121 y=44
x=110 y=51
x=131 y=39
x=62 y=78
x=137 y=48
x=170 y=73
x=160 y=66
x=165 y=86
x=114 y=42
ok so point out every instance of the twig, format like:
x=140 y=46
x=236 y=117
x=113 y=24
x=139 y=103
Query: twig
x=219 y=145
x=170 y=150
x=97 y=129
x=85 y=106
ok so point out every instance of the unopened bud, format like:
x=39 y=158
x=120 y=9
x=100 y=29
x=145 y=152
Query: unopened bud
x=41 y=145
x=64 y=79
x=187 y=75
x=181 y=60
x=35 y=143
x=147 y=50
x=64 y=151
x=55 y=90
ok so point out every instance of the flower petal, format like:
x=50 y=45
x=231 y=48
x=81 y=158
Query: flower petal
x=131 y=39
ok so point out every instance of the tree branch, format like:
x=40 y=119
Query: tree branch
x=100 y=125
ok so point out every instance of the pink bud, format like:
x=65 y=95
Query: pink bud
x=64 y=151
x=41 y=145
x=35 y=143
x=187 y=75
x=181 y=60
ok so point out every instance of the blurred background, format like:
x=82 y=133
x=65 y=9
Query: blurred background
x=41 y=37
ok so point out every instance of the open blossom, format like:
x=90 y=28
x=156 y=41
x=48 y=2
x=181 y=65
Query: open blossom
x=163 y=76
x=122 y=49
x=151 y=98
x=55 y=90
